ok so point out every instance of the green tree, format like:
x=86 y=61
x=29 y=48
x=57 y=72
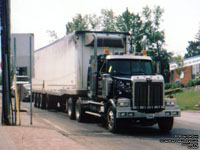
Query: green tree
x=193 y=48
x=179 y=61
x=151 y=28
x=94 y=22
x=156 y=38
x=79 y=22
x=124 y=21
x=108 y=20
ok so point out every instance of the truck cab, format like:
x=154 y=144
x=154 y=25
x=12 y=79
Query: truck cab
x=132 y=91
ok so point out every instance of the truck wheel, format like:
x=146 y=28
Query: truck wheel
x=43 y=101
x=111 y=120
x=71 y=108
x=47 y=104
x=79 y=113
x=36 y=100
x=39 y=100
x=166 y=124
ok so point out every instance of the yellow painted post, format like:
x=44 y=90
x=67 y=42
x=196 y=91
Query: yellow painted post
x=18 y=122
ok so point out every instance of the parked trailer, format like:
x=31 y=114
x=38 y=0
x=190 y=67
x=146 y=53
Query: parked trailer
x=92 y=73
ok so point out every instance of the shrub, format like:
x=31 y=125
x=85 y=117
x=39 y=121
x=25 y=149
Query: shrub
x=179 y=85
x=197 y=82
x=172 y=85
x=190 y=83
x=193 y=83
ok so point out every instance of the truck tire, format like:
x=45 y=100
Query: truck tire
x=71 y=108
x=50 y=102
x=36 y=99
x=79 y=112
x=166 y=124
x=111 y=120
x=47 y=106
x=43 y=106
x=39 y=100
x=66 y=105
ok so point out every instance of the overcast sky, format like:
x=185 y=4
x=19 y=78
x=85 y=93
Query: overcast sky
x=181 y=19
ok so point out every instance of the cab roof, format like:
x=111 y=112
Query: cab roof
x=128 y=57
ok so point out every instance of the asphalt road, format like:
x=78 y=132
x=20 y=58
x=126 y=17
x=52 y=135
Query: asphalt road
x=93 y=135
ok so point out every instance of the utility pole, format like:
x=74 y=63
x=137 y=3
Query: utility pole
x=5 y=40
x=30 y=77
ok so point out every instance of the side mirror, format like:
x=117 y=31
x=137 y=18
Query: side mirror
x=158 y=67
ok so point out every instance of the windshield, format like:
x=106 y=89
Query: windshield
x=129 y=67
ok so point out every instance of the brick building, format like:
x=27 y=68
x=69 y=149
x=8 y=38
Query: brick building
x=190 y=70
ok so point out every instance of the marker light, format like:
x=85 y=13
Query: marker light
x=106 y=51
x=144 y=52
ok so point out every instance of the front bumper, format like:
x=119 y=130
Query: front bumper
x=127 y=113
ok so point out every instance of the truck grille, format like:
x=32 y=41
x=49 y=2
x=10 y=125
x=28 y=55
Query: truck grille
x=148 y=95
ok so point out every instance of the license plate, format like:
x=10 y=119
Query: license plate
x=150 y=116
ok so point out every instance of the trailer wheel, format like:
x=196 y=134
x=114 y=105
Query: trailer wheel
x=79 y=112
x=66 y=106
x=47 y=103
x=166 y=124
x=39 y=100
x=71 y=108
x=111 y=120
x=43 y=106
x=36 y=99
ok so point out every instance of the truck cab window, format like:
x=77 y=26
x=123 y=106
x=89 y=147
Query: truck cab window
x=129 y=67
x=119 y=67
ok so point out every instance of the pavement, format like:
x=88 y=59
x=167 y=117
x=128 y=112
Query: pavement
x=38 y=136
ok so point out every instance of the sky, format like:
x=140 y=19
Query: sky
x=181 y=18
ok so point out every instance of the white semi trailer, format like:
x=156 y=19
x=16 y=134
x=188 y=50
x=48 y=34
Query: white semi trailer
x=92 y=73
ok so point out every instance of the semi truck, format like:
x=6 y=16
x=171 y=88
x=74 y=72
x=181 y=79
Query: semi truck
x=93 y=73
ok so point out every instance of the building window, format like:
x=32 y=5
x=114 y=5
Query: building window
x=182 y=75
x=195 y=70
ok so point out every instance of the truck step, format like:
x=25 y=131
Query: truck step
x=96 y=103
x=92 y=113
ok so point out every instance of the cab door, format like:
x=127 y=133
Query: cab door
x=100 y=82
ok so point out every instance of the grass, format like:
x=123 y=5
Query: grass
x=187 y=99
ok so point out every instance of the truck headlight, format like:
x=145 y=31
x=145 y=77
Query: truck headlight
x=123 y=102
x=169 y=103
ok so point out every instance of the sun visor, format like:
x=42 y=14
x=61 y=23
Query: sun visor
x=105 y=40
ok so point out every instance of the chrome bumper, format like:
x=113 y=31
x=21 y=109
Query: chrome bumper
x=131 y=114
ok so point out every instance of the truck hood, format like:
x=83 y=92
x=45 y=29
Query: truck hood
x=122 y=77
x=155 y=78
